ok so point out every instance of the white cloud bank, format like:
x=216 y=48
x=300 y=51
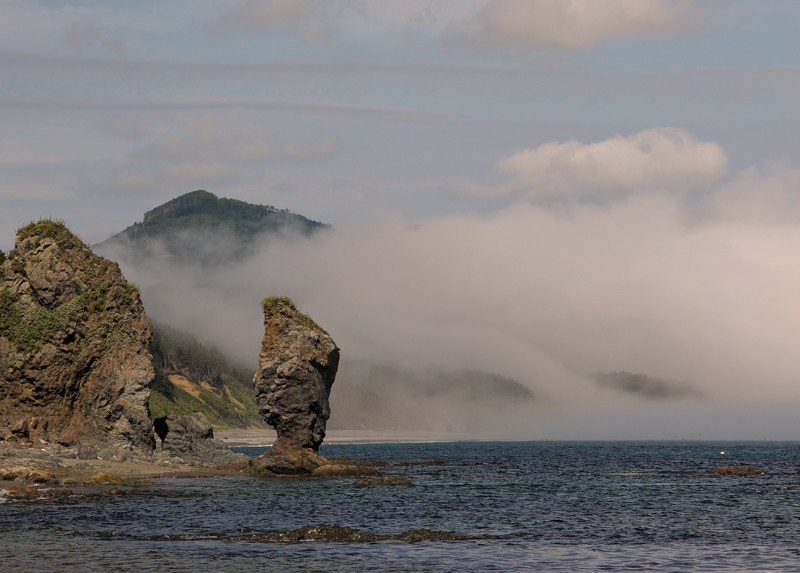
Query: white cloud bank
x=655 y=159
x=571 y=24
x=767 y=194
x=546 y=299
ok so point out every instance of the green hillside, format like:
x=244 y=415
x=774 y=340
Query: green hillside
x=199 y=227
x=191 y=377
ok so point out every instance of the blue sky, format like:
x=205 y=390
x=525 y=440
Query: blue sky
x=656 y=138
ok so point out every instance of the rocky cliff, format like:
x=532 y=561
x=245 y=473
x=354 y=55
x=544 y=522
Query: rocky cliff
x=74 y=360
x=296 y=369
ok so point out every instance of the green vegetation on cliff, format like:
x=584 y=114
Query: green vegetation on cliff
x=30 y=328
x=31 y=325
x=192 y=377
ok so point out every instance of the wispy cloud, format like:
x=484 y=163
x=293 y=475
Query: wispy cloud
x=87 y=27
x=15 y=153
x=317 y=21
x=172 y=175
x=228 y=138
x=270 y=16
x=324 y=109
x=572 y=25
x=83 y=35
x=200 y=149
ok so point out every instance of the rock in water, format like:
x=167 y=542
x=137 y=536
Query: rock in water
x=296 y=369
x=190 y=437
x=74 y=360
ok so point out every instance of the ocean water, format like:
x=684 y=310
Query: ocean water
x=545 y=506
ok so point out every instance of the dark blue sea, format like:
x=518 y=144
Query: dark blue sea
x=544 y=506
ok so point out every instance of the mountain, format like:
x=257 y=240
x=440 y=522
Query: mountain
x=191 y=377
x=199 y=227
x=380 y=397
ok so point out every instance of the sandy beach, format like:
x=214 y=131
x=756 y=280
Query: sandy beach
x=260 y=437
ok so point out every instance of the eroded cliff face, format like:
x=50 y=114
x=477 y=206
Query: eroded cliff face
x=74 y=359
x=296 y=369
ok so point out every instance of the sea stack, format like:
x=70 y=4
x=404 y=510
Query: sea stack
x=74 y=361
x=296 y=369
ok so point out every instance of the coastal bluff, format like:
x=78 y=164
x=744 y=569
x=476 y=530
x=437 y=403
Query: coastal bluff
x=74 y=361
x=296 y=369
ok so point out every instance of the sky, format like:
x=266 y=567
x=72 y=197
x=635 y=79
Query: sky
x=544 y=189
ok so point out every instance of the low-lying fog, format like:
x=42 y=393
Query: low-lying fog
x=625 y=321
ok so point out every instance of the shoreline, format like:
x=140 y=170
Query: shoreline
x=260 y=437
x=238 y=437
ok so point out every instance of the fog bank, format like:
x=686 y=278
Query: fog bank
x=548 y=299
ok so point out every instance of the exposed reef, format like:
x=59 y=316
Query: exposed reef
x=383 y=480
x=74 y=360
x=330 y=534
x=737 y=471
x=296 y=369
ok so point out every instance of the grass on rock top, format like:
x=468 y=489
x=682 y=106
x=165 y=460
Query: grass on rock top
x=51 y=228
x=270 y=302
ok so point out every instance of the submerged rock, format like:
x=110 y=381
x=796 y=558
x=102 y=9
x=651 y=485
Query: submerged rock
x=330 y=533
x=296 y=369
x=74 y=360
x=330 y=469
x=384 y=480
x=737 y=471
